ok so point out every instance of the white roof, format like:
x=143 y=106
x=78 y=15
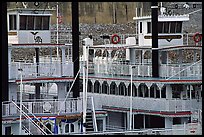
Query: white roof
x=165 y=18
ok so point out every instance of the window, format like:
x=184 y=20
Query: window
x=178 y=27
x=38 y=23
x=140 y=27
x=23 y=22
x=160 y=27
x=12 y=22
x=166 y=27
x=170 y=27
x=173 y=27
x=149 y=28
x=30 y=23
x=34 y=22
x=46 y=22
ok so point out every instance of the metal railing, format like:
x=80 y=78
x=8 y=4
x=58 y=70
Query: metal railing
x=177 y=71
x=55 y=69
x=44 y=106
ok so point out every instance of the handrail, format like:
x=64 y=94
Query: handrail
x=184 y=69
x=37 y=119
x=33 y=122
x=30 y=133
x=94 y=115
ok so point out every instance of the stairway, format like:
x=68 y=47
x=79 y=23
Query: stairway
x=89 y=122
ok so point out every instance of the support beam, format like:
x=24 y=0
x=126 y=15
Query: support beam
x=155 y=61
x=4 y=52
x=37 y=85
x=75 y=46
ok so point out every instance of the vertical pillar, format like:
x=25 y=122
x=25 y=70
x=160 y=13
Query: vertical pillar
x=155 y=61
x=9 y=61
x=168 y=91
x=132 y=56
x=144 y=120
x=75 y=46
x=168 y=122
x=61 y=90
x=4 y=52
x=63 y=62
x=37 y=85
x=191 y=87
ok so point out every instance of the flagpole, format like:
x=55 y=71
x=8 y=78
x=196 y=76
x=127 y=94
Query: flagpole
x=57 y=30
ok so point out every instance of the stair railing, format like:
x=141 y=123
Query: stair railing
x=24 y=127
x=94 y=115
x=32 y=121
x=37 y=119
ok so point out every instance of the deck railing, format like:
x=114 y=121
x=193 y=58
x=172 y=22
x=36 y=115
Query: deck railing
x=55 y=69
x=173 y=71
x=44 y=106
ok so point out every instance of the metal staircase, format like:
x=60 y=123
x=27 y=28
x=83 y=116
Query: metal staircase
x=89 y=121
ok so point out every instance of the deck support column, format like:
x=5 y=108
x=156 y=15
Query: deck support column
x=63 y=61
x=155 y=60
x=61 y=90
x=168 y=91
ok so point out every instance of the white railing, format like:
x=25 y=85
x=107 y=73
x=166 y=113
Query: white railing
x=44 y=106
x=44 y=70
x=152 y=104
x=178 y=71
x=190 y=70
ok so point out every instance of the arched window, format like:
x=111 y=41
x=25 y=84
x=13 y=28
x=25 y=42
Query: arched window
x=105 y=87
x=113 y=88
x=122 y=89
x=96 y=87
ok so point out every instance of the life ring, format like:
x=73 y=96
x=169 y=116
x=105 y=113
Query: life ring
x=117 y=39
x=197 y=37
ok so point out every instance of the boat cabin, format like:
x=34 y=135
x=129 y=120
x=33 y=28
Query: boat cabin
x=28 y=26
x=170 y=31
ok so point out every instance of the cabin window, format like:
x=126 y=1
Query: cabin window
x=140 y=27
x=178 y=27
x=12 y=22
x=38 y=23
x=34 y=22
x=30 y=23
x=169 y=27
x=149 y=28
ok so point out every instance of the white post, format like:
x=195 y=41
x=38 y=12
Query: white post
x=21 y=88
x=84 y=101
x=57 y=30
x=131 y=101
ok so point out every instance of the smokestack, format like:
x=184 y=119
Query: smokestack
x=155 y=61
x=75 y=46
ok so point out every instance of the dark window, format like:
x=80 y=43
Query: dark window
x=140 y=27
x=166 y=27
x=160 y=27
x=34 y=22
x=178 y=27
x=38 y=22
x=23 y=22
x=149 y=27
x=30 y=23
x=173 y=27
x=46 y=22
x=12 y=22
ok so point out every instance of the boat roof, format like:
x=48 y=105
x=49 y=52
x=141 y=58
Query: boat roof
x=164 y=17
